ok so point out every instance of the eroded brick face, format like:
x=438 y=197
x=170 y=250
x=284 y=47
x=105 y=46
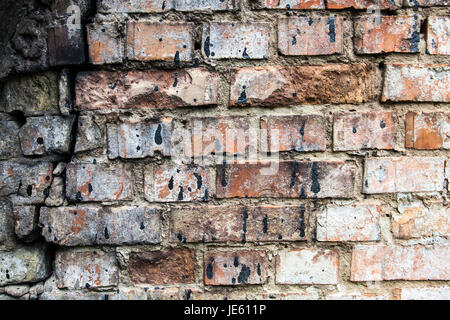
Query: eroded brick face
x=236 y=268
x=427 y=131
x=364 y=4
x=291 y=4
x=105 y=43
x=138 y=6
x=438 y=40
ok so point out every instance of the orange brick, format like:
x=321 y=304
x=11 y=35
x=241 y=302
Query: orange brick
x=390 y=34
x=105 y=43
x=438 y=35
x=381 y=262
x=310 y=35
x=427 y=130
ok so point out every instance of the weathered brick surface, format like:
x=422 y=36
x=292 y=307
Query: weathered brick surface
x=356 y=296
x=78 y=226
x=6 y=224
x=25 y=222
x=239 y=224
x=24 y=264
x=9 y=144
x=349 y=223
x=275 y=86
x=89 y=134
x=291 y=4
x=427 y=130
x=129 y=140
x=170 y=266
x=307 y=266
x=46 y=135
x=310 y=35
x=80 y=269
x=164 y=5
x=294 y=179
x=299 y=133
x=426 y=3
x=156 y=41
x=387 y=34
x=98 y=182
x=438 y=39
x=368 y=130
x=170 y=183
x=437 y=293
x=236 y=40
x=381 y=262
x=416 y=220
x=413 y=82
x=236 y=268
x=105 y=43
x=150 y=89
x=364 y=4
x=66 y=46
x=403 y=174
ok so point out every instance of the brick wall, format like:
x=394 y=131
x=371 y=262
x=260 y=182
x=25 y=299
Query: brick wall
x=240 y=149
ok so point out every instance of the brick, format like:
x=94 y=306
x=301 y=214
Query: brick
x=416 y=220
x=170 y=183
x=290 y=4
x=25 y=222
x=9 y=144
x=132 y=140
x=89 y=133
x=65 y=99
x=236 y=268
x=447 y=173
x=437 y=293
x=81 y=268
x=60 y=7
x=238 y=224
x=355 y=295
x=307 y=266
x=218 y=135
x=66 y=45
x=24 y=264
x=357 y=222
x=46 y=135
x=417 y=262
x=7 y=237
x=418 y=82
x=148 y=41
x=105 y=43
x=278 y=86
x=387 y=34
x=438 y=39
x=98 y=182
x=364 y=4
x=137 y=6
x=364 y=130
x=56 y=195
x=289 y=179
x=426 y=3
x=102 y=90
x=308 y=36
x=427 y=130
x=223 y=40
x=299 y=133
x=62 y=295
x=403 y=174
x=30 y=182
x=33 y=95
x=170 y=266
x=307 y=294
x=78 y=226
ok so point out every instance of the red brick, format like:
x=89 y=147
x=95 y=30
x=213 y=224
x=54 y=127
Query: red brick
x=150 y=89
x=239 y=224
x=374 y=34
x=236 y=40
x=403 y=174
x=277 y=86
x=105 y=43
x=290 y=4
x=438 y=39
x=307 y=266
x=236 y=268
x=81 y=268
x=170 y=266
x=299 y=133
x=417 y=82
x=416 y=220
x=170 y=183
x=364 y=4
x=288 y=179
x=147 y=41
x=310 y=35
x=426 y=3
x=427 y=130
x=368 y=130
x=357 y=222
x=381 y=262
x=98 y=182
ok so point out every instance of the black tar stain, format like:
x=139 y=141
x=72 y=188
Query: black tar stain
x=158 y=137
